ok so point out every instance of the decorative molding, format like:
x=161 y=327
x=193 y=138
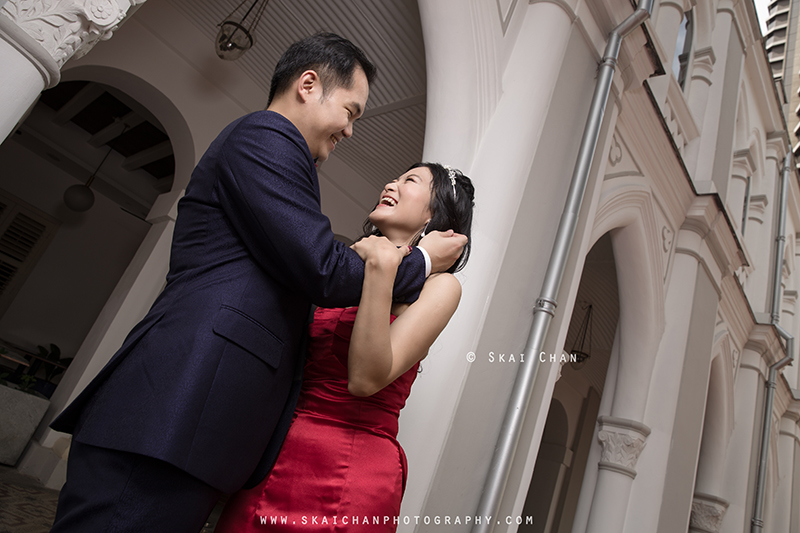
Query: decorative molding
x=506 y=12
x=776 y=146
x=620 y=160
x=667 y=236
x=743 y=164
x=707 y=513
x=68 y=28
x=703 y=64
x=628 y=201
x=680 y=5
x=757 y=207
x=623 y=441
x=678 y=116
x=789 y=301
x=706 y=219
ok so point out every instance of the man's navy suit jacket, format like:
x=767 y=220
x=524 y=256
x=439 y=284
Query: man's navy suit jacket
x=202 y=381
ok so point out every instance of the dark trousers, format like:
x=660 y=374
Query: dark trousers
x=111 y=491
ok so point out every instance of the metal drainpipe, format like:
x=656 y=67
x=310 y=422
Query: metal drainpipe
x=756 y=523
x=544 y=310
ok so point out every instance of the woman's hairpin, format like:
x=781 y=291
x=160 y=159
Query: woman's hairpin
x=452 y=175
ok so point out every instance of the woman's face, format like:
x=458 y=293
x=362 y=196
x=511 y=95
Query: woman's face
x=404 y=206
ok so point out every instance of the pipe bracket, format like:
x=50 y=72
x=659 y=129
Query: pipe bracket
x=546 y=305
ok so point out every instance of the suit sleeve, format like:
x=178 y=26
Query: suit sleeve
x=267 y=190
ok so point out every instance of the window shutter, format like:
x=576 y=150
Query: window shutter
x=24 y=234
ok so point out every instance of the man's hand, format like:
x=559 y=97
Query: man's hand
x=444 y=248
x=379 y=251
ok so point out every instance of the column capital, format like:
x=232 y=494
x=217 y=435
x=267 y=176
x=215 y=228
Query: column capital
x=68 y=28
x=777 y=144
x=703 y=64
x=706 y=218
x=623 y=441
x=707 y=513
x=743 y=164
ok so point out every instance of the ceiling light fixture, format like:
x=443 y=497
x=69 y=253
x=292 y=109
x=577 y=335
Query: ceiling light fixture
x=235 y=38
x=80 y=197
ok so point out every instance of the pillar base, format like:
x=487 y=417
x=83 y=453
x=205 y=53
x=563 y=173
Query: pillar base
x=48 y=465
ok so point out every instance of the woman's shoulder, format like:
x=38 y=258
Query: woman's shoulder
x=442 y=284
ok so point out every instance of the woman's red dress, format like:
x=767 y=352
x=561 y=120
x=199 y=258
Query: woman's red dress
x=341 y=467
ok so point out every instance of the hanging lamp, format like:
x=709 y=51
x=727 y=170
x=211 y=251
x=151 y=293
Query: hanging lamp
x=581 y=348
x=235 y=36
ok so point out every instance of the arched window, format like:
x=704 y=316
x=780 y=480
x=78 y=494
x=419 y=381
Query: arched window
x=683 y=49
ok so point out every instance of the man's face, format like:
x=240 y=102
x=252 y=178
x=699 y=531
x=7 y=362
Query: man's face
x=332 y=116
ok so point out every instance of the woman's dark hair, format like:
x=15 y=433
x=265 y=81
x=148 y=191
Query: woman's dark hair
x=333 y=57
x=447 y=211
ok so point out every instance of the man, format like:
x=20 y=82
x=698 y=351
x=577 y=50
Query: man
x=186 y=409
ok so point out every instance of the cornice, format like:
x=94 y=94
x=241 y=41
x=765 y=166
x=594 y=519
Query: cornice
x=763 y=340
x=705 y=218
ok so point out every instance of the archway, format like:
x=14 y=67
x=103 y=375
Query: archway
x=560 y=464
x=63 y=264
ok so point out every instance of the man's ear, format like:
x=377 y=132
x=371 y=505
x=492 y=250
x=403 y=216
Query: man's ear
x=308 y=85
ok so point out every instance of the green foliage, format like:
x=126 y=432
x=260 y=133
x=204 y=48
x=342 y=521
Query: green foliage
x=26 y=382
x=53 y=355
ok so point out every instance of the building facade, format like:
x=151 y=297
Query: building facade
x=673 y=257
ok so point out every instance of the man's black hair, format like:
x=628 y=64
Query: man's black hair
x=333 y=57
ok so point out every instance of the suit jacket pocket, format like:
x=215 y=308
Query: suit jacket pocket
x=247 y=333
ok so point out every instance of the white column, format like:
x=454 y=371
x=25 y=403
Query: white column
x=670 y=16
x=708 y=509
x=469 y=127
x=668 y=22
x=27 y=70
x=743 y=167
x=787 y=447
x=38 y=36
x=759 y=237
x=705 y=97
x=135 y=292
x=663 y=403
x=737 y=489
x=622 y=440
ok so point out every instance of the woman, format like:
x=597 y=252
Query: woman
x=341 y=465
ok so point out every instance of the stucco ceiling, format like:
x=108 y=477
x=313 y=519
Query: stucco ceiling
x=389 y=137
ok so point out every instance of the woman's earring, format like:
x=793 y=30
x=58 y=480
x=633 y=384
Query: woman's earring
x=423 y=229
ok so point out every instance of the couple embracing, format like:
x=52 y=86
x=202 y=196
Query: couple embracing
x=200 y=397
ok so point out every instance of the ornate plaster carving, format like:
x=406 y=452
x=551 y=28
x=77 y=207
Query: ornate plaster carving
x=68 y=28
x=707 y=513
x=623 y=441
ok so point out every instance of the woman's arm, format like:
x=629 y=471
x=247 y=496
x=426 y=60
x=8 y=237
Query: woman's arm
x=381 y=351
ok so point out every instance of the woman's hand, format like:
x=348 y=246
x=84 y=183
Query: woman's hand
x=379 y=251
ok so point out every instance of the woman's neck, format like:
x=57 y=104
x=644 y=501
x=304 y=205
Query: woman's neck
x=399 y=238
